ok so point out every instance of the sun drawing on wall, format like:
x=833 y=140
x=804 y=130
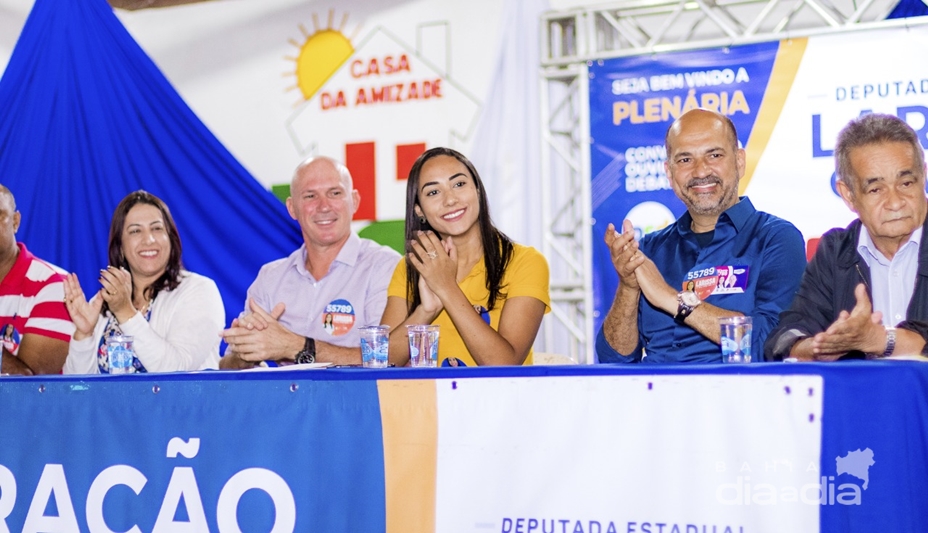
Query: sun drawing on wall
x=320 y=54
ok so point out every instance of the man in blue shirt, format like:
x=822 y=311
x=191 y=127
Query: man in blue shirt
x=882 y=257
x=721 y=258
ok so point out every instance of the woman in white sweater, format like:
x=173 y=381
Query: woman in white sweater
x=175 y=316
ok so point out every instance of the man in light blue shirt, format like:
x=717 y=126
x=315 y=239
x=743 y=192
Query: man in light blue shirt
x=865 y=293
x=309 y=307
x=892 y=281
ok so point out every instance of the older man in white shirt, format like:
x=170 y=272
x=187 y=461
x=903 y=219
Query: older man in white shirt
x=865 y=293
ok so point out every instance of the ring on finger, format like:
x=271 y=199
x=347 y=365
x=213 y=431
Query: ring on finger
x=433 y=255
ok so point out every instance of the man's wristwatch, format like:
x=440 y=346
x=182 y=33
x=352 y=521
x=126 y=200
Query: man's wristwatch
x=307 y=354
x=890 y=343
x=687 y=301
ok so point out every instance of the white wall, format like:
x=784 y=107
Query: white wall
x=228 y=60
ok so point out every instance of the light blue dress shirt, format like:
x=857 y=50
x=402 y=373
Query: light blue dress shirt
x=892 y=281
x=354 y=290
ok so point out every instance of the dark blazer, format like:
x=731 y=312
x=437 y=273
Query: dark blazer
x=827 y=288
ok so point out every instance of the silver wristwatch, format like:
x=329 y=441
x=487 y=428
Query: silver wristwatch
x=890 y=342
x=687 y=301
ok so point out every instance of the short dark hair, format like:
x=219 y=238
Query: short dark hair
x=497 y=247
x=171 y=277
x=874 y=128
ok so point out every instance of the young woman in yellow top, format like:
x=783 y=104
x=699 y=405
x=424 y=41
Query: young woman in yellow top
x=487 y=293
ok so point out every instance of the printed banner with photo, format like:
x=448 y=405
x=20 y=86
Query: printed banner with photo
x=787 y=99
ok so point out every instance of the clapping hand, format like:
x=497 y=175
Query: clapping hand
x=117 y=292
x=861 y=329
x=623 y=249
x=83 y=313
x=435 y=260
x=258 y=336
x=258 y=321
x=427 y=299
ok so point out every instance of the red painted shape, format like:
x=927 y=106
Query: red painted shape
x=406 y=155
x=811 y=246
x=360 y=158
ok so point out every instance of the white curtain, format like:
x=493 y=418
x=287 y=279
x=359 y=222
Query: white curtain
x=508 y=136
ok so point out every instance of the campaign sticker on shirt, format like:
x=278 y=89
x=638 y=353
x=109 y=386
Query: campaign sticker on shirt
x=338 y=317
x=10 y=338
x=733 y=279
x=725 y=279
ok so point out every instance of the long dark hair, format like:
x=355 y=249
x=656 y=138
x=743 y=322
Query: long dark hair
x=171 y=277
x=497 y=247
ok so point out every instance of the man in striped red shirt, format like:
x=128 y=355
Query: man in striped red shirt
x=35 y=327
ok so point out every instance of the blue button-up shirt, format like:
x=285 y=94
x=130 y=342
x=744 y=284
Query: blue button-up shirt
x=767 y=256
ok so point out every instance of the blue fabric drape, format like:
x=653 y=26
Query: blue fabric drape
x=86 y=117
x=908 y=8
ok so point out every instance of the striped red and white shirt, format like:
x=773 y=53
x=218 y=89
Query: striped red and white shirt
x=32 y=302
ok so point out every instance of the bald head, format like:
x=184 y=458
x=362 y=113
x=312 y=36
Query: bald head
x=9 y=225
x=323 y=201
x=321 y=164
x=6 y=196
x=704 y=164
x=698 y=120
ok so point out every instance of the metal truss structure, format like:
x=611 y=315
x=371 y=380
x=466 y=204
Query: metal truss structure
x=571 y=41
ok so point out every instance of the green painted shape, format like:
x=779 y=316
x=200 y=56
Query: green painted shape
x=390 y=233
x=281 y=191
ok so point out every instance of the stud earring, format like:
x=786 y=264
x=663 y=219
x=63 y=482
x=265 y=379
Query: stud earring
x=421 y=220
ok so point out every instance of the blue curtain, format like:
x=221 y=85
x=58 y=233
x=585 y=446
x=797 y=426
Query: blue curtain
x=908 y=8
x=86 y=118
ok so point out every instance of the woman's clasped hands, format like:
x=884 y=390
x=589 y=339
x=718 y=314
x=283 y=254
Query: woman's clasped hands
x=437 y=263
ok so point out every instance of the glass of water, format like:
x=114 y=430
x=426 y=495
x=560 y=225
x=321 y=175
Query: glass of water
x=423 y=345
x=736 y=339
x=375 y=346
x=120 y=353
